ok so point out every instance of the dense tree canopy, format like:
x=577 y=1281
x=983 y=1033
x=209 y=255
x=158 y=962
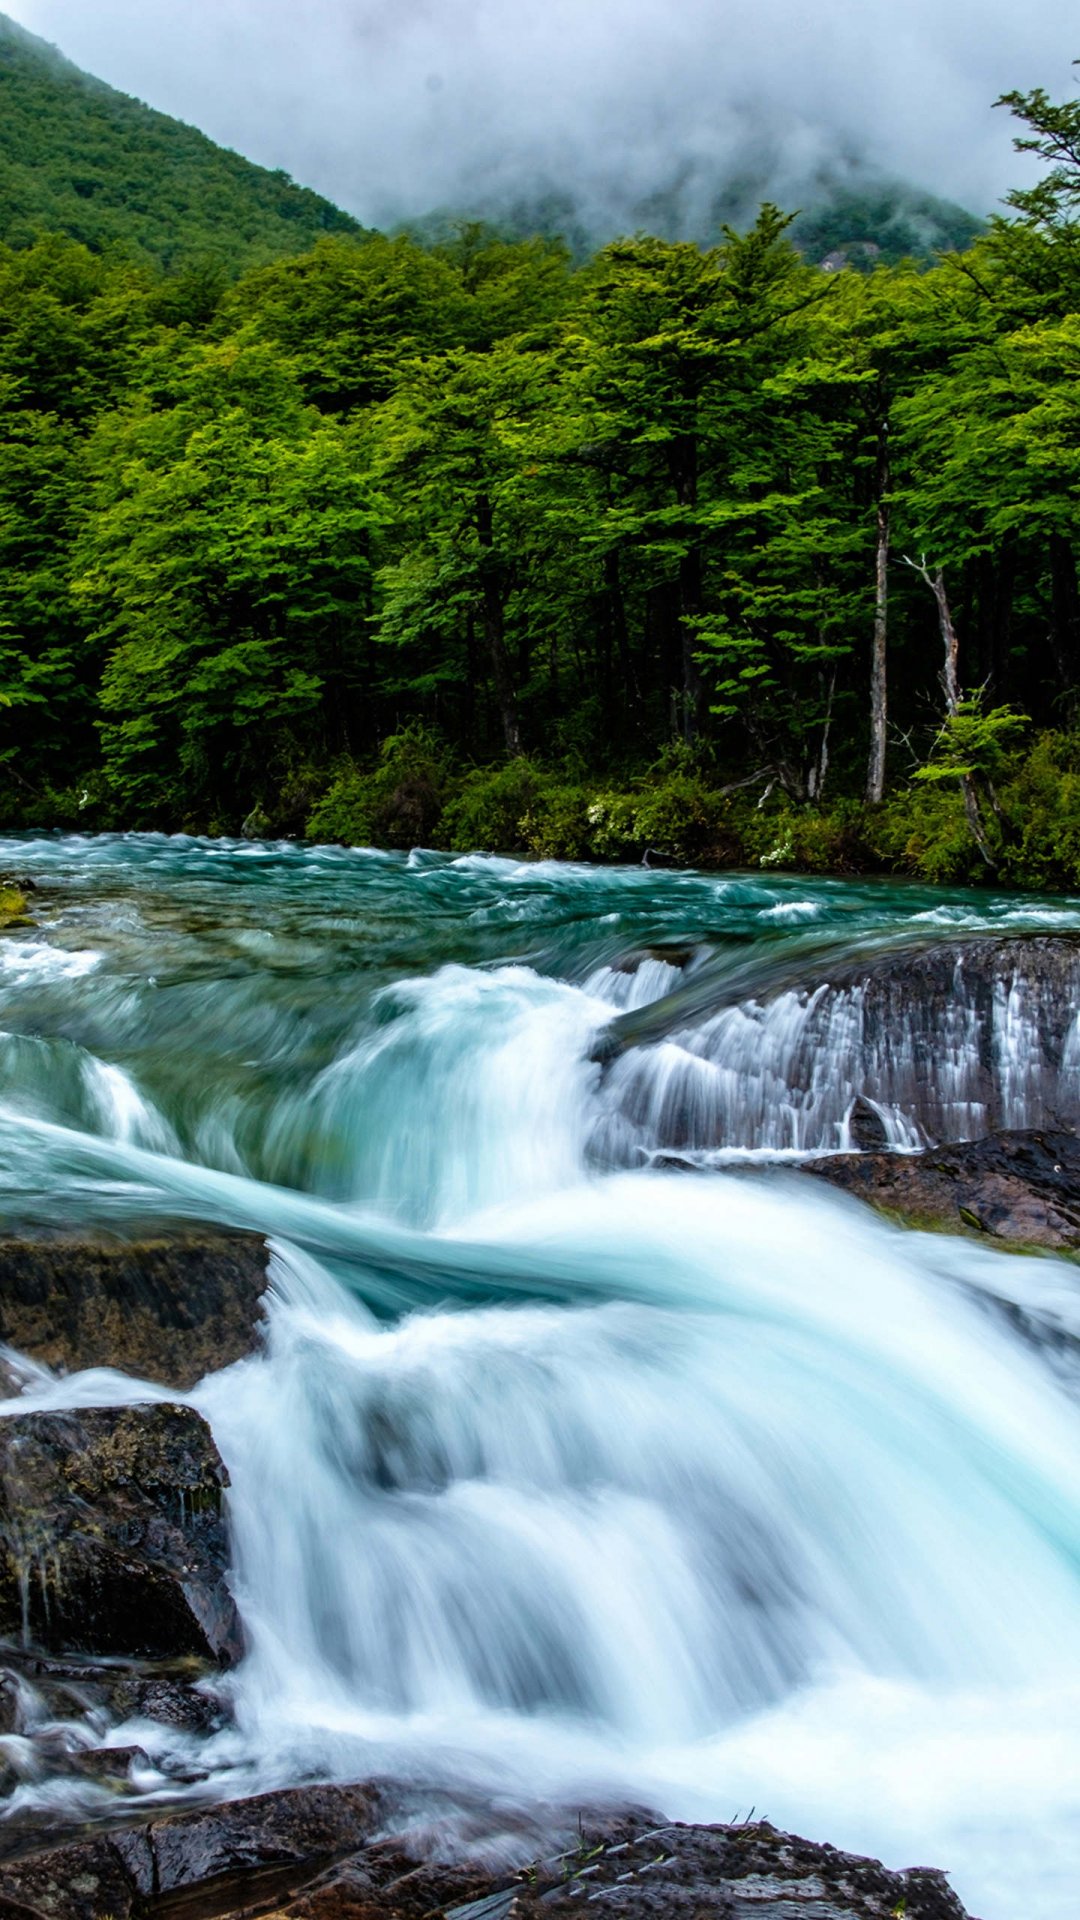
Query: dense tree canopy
x=708 y=507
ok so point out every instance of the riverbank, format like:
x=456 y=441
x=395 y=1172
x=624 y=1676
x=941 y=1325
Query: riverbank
x=680 y=811
x=685 y=813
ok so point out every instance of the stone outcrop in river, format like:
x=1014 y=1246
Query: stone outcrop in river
x=944 y=1043
x=163 y=1309
x=1020 y=1188
x=383 y=1852
x=112 y=1535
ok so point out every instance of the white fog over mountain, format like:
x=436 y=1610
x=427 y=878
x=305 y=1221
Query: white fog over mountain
x=395 y=109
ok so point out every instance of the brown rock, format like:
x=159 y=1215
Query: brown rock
x=168 y=1310
x=1020 y=1187
x=112 y=1536
x=83 y=1881
x=324 y=1853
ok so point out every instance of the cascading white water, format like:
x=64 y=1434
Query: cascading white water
x=785 y=1075
x=560 y=1480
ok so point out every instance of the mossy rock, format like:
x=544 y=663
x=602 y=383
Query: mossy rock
x=113 y=1538
x=13 y=908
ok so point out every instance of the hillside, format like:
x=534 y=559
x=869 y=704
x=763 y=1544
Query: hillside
x=77 y=157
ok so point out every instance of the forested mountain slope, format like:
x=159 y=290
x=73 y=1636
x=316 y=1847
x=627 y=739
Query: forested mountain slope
x=78 y=158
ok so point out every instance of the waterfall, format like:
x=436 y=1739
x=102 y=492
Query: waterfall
x=941 y=1048
x=557 y=1473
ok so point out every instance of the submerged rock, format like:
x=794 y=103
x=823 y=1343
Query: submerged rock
x=112 y=1535
x=1018 y=1187
x=383 y=1852
x=37 y=1690
x=818 y=1049
x=164 y=1309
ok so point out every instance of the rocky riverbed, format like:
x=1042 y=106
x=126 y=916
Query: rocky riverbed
x=425 y=1473
x=382 y=1851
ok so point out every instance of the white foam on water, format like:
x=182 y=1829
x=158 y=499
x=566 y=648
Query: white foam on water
x=714 y=1491
x=790 y=1523
x=34 y=962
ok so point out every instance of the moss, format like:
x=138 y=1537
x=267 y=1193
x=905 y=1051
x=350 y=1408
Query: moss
x=13 y=908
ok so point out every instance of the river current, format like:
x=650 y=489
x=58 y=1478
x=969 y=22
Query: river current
x=562 y=1472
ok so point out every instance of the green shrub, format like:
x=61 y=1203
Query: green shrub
x=557 y=827
x=923 y=830
x=1041 y=809
x=670 y=813
x=398 y=803
x=491 y=805
x=786 y=837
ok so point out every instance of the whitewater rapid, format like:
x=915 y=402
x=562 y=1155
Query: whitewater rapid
x=557 y=1476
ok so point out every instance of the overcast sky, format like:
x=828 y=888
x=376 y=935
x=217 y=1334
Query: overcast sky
x=392 y=107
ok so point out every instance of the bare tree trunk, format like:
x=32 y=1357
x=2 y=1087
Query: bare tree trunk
x=950 y=680
x=875 y=773
x=951 y=684
x=815 y=783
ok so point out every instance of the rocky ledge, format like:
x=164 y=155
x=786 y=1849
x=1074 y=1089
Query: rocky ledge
x=1019 y=1188
x=164 y=1309
x=763 y=1048
x=379 y=1851
x=112 y=1535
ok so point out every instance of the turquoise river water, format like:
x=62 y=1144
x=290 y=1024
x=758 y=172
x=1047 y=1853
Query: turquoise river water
x=560 y=1471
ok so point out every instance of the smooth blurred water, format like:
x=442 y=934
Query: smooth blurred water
x=561 y=1473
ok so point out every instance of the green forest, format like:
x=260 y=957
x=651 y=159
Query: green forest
x=697 y=553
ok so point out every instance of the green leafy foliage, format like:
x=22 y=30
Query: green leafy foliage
x=973 y=743
x=471 y=543
x=398 y=802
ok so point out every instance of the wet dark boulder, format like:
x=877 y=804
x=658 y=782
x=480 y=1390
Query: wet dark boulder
x=377 y=1852
x=726 y=1873
x=112 y=1534
x=220 y=1860
x=182 y=1700
x=1022 y=1188
x=164 y=1309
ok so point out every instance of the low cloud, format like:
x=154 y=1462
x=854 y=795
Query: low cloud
x=393 y=107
